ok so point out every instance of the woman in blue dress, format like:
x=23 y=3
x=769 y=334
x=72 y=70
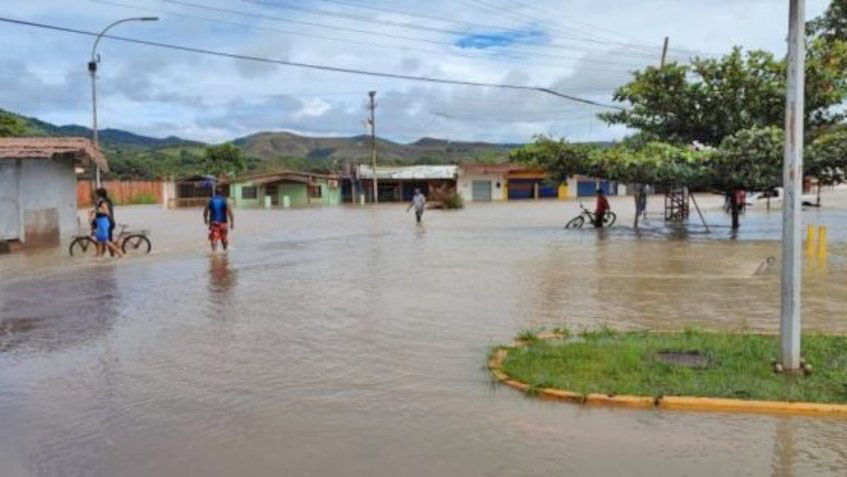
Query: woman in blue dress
x=102 y=224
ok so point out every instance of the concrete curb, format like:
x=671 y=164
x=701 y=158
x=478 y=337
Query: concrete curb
x=677 y=403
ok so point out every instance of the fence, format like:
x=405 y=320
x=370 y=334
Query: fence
x=121 y=192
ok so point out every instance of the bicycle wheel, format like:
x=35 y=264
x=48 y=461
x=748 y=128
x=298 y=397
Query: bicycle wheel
x=136 y=244
x=575 y=223
x=609 y=219
x=82 y=247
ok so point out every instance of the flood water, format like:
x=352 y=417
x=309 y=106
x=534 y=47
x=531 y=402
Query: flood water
x=348 y=341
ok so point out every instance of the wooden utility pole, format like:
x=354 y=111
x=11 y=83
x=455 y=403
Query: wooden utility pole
x=792 y=240
x=373 y=144
x=664 y=53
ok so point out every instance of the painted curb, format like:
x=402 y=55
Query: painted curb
x=675 y=403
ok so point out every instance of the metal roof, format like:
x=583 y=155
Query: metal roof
x=409 y=172
x=47 y=147
x=489 y=168
x=294 y=176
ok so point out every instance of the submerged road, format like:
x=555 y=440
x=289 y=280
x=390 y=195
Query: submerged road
x=348 y=341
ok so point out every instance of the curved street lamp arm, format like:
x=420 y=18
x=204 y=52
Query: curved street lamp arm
x=109 y=27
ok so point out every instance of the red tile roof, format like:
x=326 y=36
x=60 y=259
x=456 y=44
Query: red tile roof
x=47 y=147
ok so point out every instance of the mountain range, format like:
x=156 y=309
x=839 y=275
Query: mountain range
x=274 y=146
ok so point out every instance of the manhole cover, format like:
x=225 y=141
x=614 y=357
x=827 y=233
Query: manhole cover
x=689 y=359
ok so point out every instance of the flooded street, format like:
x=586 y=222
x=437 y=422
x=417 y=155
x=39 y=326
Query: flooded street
x=348 y=341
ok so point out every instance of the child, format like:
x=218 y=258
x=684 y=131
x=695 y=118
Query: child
x=101 y=231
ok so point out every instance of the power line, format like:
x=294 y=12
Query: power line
x=348 y=16
x=505 y=59
x=589 y=28
x=313 y=66
x=475 y=25
x=383 y=34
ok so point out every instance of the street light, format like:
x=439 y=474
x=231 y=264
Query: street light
x=92 y=70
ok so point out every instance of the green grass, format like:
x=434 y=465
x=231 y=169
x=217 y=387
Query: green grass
x=143 y=199
x=612 y=362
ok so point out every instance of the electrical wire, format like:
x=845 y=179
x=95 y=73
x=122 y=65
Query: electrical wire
x=502 y=59
x=381 y=34
x=384 y=22
x=336 y=69
x=477 y=26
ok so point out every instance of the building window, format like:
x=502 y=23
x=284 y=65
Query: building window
x=315 y=192
x=249 y=192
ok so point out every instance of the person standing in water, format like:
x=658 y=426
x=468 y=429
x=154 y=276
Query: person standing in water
x=600 y=209
x=218 y=216
x=102 y=224
x=419 y=203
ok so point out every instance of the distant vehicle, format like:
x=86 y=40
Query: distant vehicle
x=776 y=194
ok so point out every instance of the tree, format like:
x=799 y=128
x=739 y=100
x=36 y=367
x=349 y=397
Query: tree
x=715 y=98
x=560 y=159
x=11 y=125
x=832 y=25
x=826 y=159
x=749 y=159
x=224 y=160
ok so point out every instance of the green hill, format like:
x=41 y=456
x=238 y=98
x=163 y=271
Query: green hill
x=133 y=156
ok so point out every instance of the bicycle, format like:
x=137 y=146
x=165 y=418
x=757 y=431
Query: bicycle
x=132 y=242
x=578 y=221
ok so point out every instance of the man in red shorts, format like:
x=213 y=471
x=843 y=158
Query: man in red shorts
x=217 y=213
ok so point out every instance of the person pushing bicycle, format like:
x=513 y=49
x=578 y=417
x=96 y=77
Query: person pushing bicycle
x=600 y=209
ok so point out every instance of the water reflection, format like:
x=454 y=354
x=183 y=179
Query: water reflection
x=58 y=311
x=222 y=279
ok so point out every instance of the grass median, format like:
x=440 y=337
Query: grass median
x=688 y=363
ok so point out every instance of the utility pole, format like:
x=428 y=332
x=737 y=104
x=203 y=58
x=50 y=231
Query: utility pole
x=664 y=53
x=92 y=70
x=792 y=179
x=373 y=143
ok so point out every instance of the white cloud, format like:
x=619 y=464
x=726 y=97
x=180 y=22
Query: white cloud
x=163 y=92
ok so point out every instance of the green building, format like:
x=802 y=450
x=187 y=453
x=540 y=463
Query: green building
x=285 y=189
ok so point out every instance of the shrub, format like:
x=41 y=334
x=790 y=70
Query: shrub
x=453 y=201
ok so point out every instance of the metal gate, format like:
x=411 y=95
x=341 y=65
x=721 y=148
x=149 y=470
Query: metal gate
x=481 y=190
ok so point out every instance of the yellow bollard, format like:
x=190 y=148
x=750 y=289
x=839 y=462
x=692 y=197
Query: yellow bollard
x=810 y=241
x=822 y=244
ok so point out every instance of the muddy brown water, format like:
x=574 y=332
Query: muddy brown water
x=345 y=341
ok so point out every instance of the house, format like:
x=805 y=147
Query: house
x=38 y=202
x=285 y=189
x=588 y=186
x=533 y=183
x=484 y=182
x=192 y=191
x=398 y=184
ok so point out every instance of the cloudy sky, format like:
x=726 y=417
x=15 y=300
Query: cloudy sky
x=583 y=48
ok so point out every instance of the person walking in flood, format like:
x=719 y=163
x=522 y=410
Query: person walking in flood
x=218 y=216
x=102 y=231
x=600 y=209
x=419 y=203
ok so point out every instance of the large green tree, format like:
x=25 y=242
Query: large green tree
x=560 y=158
x=224 y=160
x=711 y=99
x=832 y=25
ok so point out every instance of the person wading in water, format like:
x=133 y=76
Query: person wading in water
x=216 y=215
x=600 y=209
x=419 y=203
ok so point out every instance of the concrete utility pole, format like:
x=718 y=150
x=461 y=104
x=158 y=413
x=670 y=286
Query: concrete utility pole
x=92 y=70
x=792 y=240
x=664 y=53
x=373 y=143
